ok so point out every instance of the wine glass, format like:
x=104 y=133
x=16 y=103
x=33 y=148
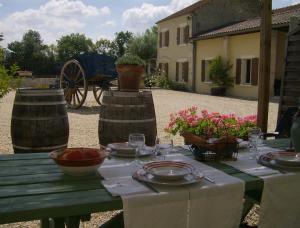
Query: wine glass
x=254 y=136
x=137 y=141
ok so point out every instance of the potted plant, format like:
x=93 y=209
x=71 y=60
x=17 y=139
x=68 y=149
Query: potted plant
x=130 y=69
x=210 y=131
x=219 y=75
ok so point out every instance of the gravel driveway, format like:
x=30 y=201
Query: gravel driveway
x=84 y=123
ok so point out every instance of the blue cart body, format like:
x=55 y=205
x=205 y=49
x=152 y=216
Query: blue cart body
x=98 y=67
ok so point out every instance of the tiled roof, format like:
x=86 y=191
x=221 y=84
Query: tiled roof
x=187 y=10
x=280 y=18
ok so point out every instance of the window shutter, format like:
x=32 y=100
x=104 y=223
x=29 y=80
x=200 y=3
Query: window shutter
x=178 y=36
x=177 y=71
x=160 y=66
x=203 y=70
x=167 y=69
x=167 y=38
x=254 y=71
x=186 y=34
x=238 y=71
x=185 y=71
x=160 y=39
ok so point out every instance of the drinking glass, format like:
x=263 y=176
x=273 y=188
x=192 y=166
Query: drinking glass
x=255 y=140
x=137 y=141
x=164 y=145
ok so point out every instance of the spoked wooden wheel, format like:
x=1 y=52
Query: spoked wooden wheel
x=73 y=81
x=97 y=91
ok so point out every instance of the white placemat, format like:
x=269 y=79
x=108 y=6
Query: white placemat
x=190 y=206
x=280 y=199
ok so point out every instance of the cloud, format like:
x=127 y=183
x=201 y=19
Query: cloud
x=108 y=24
x=140 y=18
x=1 y=4
x=283 y=3
x=53 y=19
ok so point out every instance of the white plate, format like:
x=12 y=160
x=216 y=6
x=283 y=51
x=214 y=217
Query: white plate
x=121 y=148
x=268 y=160
x=168 y=170
x=288 y=159
x=143 y=176
x=146 y=151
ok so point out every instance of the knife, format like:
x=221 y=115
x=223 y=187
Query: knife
x=145 y=184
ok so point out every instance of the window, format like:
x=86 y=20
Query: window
x=205 y=70
x=247 y=71
x=182 y=35
x=164 y=39
x=164 y=69
x=182 y=71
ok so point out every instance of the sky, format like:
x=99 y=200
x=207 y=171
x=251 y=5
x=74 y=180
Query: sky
x=95 y=18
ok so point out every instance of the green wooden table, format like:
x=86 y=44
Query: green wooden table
x=32 y=187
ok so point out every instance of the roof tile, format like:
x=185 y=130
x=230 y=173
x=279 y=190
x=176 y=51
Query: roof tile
x=280 y=17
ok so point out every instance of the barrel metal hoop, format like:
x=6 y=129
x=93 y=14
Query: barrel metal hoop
x=40 y=148
x=127 y=121
x=40 y=103
x=41 y=94
x=122 y=106
x=40 y=118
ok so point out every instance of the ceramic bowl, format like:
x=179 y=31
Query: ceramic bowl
x=79 y=161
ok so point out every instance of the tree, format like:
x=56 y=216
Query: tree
x=120 y=43
x=7 y=82
x=31 y=54
x=145 y=45
x=104 y=46
x=72 y=45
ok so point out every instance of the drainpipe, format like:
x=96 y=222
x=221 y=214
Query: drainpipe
x=194 y=65
x=225 y=46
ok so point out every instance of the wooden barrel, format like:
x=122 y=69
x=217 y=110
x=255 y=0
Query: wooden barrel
x=122 y=113
x=39 y=121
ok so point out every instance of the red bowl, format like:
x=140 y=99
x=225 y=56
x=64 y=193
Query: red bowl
x=78 y=157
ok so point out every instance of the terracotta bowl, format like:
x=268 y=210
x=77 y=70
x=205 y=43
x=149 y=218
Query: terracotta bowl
x=79 y=161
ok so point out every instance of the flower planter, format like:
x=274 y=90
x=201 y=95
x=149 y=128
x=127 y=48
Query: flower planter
x=204 y=149
x=218 y=91
x=130 y=77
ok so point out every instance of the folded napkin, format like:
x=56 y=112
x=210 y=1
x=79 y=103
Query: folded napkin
x=124 y=186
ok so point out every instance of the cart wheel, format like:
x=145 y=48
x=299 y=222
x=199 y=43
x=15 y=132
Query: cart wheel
x=97 y=91
x=73 y=81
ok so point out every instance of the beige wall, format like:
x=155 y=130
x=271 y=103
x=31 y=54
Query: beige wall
x=239 y=46
x=175 y=52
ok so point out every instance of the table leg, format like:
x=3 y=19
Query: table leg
x=58 y=222
x=73 y=221
x=44 y=223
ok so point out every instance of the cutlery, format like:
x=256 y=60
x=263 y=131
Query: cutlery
x=145 y=184
x=209 y=179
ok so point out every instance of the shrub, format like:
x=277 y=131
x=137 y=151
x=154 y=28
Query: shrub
x=219 y=72
x=130 y=60
x=179 y=86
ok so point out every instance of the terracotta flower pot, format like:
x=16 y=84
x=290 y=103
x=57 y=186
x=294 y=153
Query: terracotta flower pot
x=130 y=77
x=218 y=91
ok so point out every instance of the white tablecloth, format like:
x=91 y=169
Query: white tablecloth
x=280 y=204
x=201 y=205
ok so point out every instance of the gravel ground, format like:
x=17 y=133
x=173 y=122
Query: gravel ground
x=84 y=124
